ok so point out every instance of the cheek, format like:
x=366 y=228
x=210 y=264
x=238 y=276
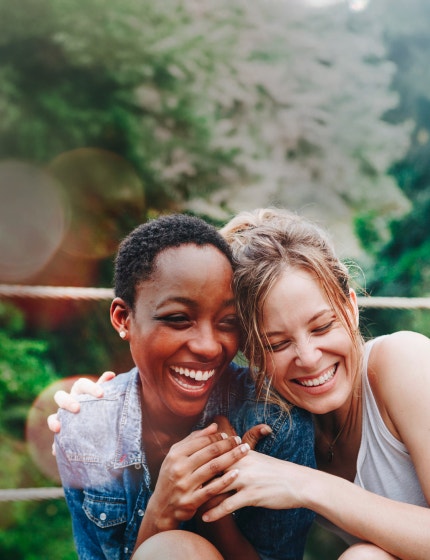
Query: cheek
x=274 y=366
x=231 y=343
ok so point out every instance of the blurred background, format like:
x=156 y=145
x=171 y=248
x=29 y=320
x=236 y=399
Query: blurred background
x=114 y=111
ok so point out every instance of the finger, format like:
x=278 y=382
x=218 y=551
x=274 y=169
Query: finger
x=106 y=376
x=211 y=429
x=214 y=500
x=231 y=503
x=224 y=425
x=84 y=386
x=218 y=488
x=198 y=439
x=53 y=423
x=53 y=449
x=254 y=434
x=209 y=469
x=67 y=401
x=193 y=450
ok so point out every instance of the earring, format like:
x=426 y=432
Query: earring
x=122 y=334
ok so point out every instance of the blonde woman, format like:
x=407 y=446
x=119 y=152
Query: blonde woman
x=369 y=400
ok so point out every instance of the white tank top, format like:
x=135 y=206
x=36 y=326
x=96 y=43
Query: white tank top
x=384 y=465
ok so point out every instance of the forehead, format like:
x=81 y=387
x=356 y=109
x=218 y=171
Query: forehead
x=191 y=268
x=295 y=292
x=192 y=255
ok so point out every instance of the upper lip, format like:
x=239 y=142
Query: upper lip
x=330 y=371
x=199 y=373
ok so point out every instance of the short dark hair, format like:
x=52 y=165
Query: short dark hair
x=137 y=252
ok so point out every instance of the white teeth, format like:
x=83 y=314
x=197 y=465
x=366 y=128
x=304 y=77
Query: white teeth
x=198 y=375
x=319 y=380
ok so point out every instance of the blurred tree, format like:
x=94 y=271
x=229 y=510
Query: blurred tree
x=129 y=77
x=306 y=105
x=402 y=266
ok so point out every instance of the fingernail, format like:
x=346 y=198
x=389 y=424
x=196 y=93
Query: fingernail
x=237 y=439
x=266 y=430
x=245 y=448
x=224 y=435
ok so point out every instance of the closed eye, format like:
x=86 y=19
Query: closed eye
x=324 y=328
x=177 y=320
x=277 y=346
x=229 y=323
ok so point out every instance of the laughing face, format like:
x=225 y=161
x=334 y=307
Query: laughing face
x=309 y=352
x=183 y=331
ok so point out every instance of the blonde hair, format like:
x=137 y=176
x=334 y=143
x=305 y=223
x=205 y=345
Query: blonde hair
x=265 y=242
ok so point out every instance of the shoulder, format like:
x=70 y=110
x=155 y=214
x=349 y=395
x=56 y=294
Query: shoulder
x=114 y=388
x=97 y=416
x=392 y=352
x=399 y=375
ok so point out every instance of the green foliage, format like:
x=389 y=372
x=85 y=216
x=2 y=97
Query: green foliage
x=24 y=370
x=40 y=529
x=402 y=263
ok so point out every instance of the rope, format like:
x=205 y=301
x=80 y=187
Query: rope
x=55 y=292
x=395 y=302
x=61 y=292
x=20 y=494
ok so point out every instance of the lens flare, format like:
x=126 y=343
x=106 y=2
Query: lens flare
x=32 y=220
x=103 y=190
x=38 y=436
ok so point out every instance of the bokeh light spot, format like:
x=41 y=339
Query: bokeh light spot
x=32 y=220
x=38 y=436
x=103 y=189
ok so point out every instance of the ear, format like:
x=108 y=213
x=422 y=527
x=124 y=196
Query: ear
x=120 y=316
x=354 y=306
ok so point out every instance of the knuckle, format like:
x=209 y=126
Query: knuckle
x=215 y=449
x=215 y=467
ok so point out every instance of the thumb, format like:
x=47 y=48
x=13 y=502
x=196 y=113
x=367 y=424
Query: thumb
x=254 y=434
x=224 y=425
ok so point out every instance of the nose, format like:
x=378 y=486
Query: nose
x=205 y=343
x=307 y=353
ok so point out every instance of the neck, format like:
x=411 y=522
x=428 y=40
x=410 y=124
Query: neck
x=164 y=429
x=337 y=434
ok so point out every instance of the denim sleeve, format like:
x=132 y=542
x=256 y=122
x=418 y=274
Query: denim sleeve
x=278 y=534
x=98 y=520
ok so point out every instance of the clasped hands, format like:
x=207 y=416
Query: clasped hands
x=197 y=471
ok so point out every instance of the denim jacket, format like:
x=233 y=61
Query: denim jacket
x=106 y=480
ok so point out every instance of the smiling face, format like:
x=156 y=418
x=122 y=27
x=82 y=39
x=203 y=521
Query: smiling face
x=183 y=331
x=310 y=355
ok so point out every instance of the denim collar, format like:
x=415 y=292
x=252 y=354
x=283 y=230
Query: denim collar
x=129 y=443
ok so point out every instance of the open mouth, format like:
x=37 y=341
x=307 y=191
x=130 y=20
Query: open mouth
x=320 y=380
x=192 y=378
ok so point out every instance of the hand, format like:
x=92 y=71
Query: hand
x=262 y=481
x=251 y=437
x=189 y=476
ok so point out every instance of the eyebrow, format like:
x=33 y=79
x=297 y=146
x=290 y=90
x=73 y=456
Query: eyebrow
x=192 y=303
x=311 y=320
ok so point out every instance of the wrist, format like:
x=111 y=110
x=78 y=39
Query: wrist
x=159 y=522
